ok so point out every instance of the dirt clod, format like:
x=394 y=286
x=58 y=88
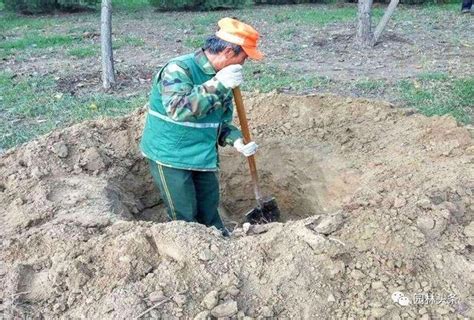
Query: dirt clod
x=206 y=255
x=156 y=296
x=368 y=208
x=330 y=223
x=226 y=309
x=60 y=149
x=378 y=312
x=211 y=299
x=203 y=315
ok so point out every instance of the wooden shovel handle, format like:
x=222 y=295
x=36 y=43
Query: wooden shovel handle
x=244 y=126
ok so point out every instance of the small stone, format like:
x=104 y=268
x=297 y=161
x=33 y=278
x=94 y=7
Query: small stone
x=432 y=227
x=261 y=228
x=156 y=296
x=357 y=275
x=330 y=224
x=233 y=290
x=438 y=196
x=18 y=201
x=238 y=232
x=335 y=268
x=246 y=227
x=180 y=299
x=92 y=159
x=424 y=203
x=425 y=223
x=470 y=241
x=378 y=312
x=36 y=173
x=77 y=169
x=423 y=311
x=331 y=298
x=203 y=315
x=211 y=299
x=266 y=312
x=226 y=309
x=469 y=230
x=377 y=285
x=442 y=311
x=60 y=306
x=60 y=149
x=445 y=213
x=316 y=241
x=399 y=202
x=229 y=279
x=240 y=315
x=206 y=255
x=395 y=315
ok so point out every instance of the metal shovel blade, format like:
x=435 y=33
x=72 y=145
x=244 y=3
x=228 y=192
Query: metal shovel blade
x=267 y=212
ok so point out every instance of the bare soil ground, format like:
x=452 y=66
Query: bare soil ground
x=376 y=200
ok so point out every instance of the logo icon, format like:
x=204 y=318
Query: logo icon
x=400 y=298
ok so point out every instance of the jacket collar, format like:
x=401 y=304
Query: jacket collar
x=203 y=62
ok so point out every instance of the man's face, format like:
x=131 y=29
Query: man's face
x=229 y=57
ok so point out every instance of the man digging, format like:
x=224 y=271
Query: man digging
x=190 y=114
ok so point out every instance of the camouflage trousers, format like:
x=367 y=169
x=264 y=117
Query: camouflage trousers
x=191 y=196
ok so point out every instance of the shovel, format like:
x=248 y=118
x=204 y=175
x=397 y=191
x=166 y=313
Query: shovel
x=267 y=208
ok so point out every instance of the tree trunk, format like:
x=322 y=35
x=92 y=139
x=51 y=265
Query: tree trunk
x=364 y=27
x=108 y=75
x=388 y=13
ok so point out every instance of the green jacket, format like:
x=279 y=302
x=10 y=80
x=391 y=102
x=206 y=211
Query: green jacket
x=190 y=113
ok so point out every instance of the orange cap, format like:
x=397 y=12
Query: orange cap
x=237 y=32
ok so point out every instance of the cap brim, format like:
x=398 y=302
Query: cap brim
x=253 y=53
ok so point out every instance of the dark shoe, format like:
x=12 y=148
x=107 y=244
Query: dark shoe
x=225 y=232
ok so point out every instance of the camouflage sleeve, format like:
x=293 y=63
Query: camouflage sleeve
x=185 y=101
x=229 y=133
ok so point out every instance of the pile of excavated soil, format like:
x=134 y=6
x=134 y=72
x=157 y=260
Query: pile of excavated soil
x=375 y=200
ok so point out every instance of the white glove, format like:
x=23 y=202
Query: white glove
x=230 y=76
x=246 y=149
